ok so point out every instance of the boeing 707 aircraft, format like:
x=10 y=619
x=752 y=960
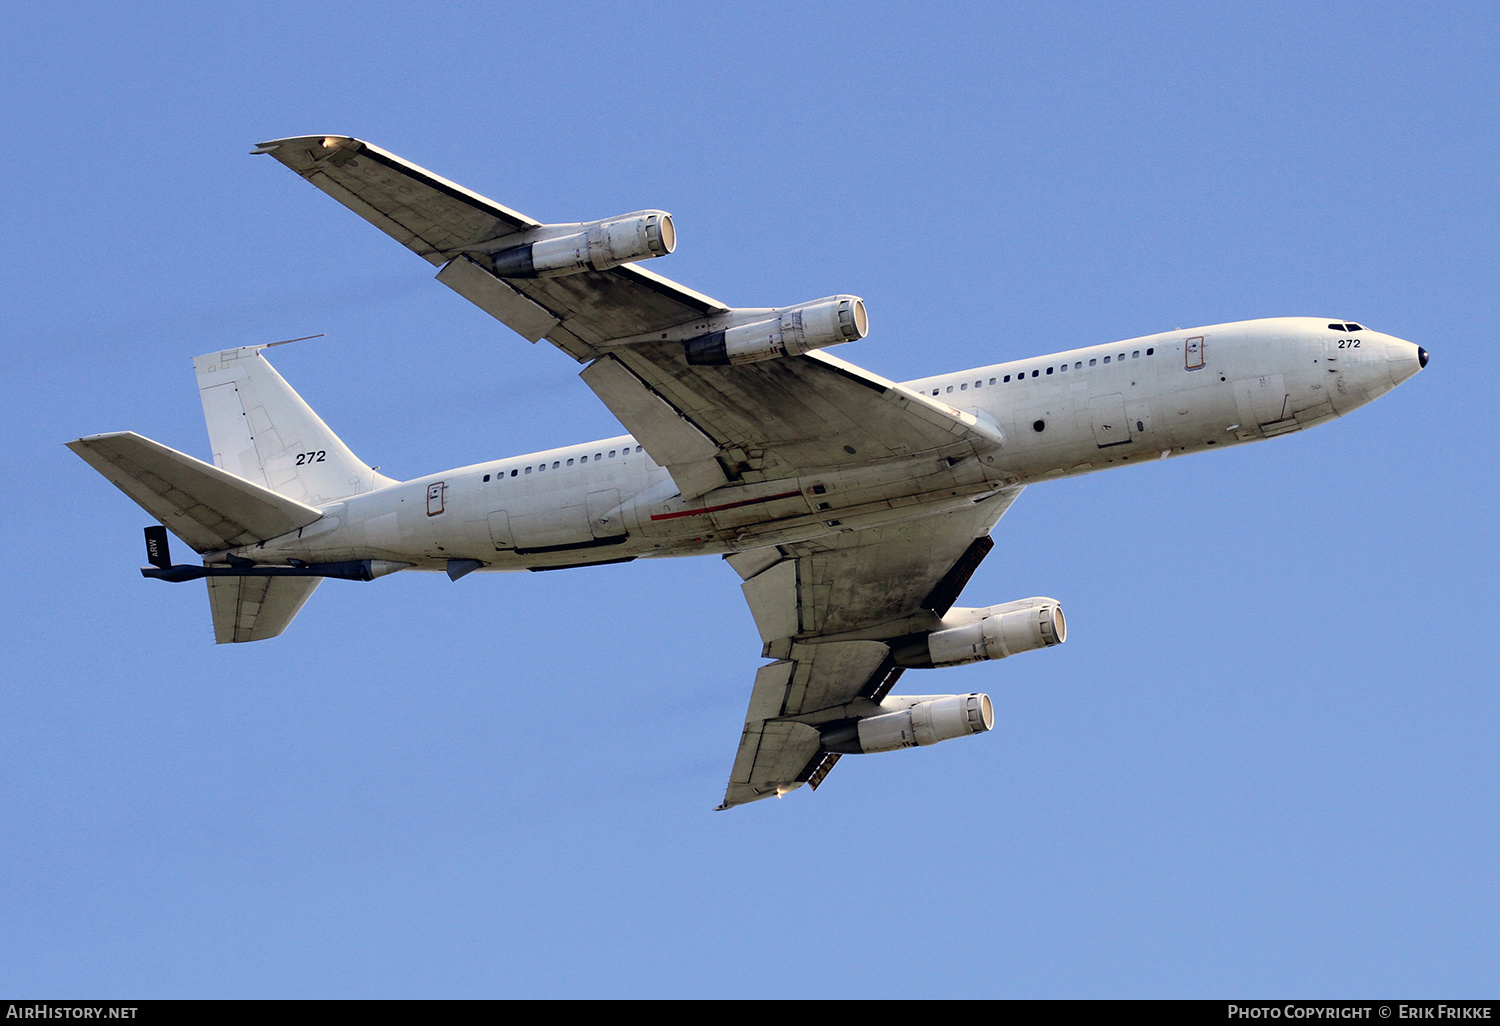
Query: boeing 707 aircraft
x=854 y=509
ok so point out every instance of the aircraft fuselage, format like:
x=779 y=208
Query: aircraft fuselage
x=1060 y=415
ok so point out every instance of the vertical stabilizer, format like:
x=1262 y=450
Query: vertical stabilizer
x=261 y=430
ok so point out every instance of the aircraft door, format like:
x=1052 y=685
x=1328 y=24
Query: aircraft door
x=1110 y=424
x=1193 y=352
x=603 y=521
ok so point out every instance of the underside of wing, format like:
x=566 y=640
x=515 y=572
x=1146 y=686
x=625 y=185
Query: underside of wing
x=429 y=215
x=462 y=231
x=834 y=614
x=779 y=418
x=719 y=396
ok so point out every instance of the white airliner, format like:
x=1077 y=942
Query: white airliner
x=854 y=508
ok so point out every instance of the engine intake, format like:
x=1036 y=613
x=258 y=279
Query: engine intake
x=798 y=330
x=994 y=632
x=924 y=720
x=598 y=245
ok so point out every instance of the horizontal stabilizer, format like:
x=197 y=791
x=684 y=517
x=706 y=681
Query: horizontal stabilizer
x=206 y=507
x=255 y=608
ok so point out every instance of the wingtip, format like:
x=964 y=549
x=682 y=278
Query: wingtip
x=327 y=142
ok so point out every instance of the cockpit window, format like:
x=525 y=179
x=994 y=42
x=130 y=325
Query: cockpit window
x=1337 y=327
x=1353 y=327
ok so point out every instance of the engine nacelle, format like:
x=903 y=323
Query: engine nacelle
x=924 y=720
x=599 y=246
x=994 y=632
x=800 y=329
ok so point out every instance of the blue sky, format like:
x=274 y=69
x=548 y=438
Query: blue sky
x=1264 y=763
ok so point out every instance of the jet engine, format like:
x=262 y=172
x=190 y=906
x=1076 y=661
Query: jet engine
x=994 y=632
x=797 y=330
x=598 y=245
x=924 y=720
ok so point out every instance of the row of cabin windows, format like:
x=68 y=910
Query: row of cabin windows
x=1037 y=373
x=557 y=464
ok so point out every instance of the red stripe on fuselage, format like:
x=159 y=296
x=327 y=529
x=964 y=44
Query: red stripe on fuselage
x=727 y=505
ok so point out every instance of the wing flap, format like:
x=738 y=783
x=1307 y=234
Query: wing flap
x=671 y=439
x=499 y=300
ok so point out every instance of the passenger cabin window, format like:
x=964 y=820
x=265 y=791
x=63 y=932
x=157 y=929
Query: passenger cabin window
x=1106 y=359
x=1136 y=355
x=570 y=463
x=1150 y=351
x=1093 y=363
x=1035 y=373
x=513 y=473
x=528 y=470
x=1049 y=370
x=486 y=477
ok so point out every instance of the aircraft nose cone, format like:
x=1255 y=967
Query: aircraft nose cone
x=1403 y=359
